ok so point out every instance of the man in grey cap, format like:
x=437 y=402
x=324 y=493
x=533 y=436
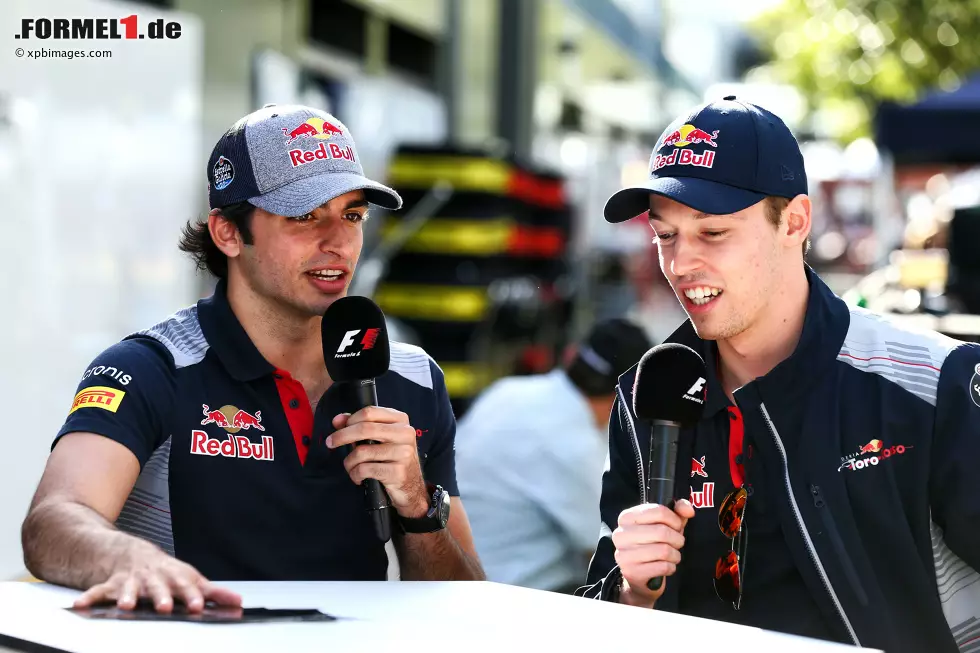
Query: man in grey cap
x=142 y=498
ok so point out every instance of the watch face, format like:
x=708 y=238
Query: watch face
x=442 y=507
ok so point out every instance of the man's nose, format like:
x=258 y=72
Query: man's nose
x=685 y=256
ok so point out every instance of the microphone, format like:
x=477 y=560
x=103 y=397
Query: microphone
x=669 y=390
x=356 y=351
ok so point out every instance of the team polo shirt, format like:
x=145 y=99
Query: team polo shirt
x=235 y=476
x=725 y=457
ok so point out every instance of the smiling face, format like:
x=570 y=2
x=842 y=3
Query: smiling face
x=726 y=270
x=304 y=263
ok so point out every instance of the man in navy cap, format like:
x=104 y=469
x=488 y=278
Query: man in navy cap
x=829 y=488
x=214 y=445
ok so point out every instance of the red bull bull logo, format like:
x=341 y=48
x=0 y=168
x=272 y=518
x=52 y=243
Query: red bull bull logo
x=232 y=418
x=872 y=447
x=697 y=467
x=235 y=446
x=314 y=128
x=689 y=135
x=681 y=138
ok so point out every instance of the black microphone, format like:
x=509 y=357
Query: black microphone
x=669 y=390
x=356 y=351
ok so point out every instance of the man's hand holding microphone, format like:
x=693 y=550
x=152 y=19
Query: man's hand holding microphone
x=669 y=391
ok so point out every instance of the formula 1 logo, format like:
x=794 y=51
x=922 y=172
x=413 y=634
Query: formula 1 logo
x=367 y=342
x=878 y=453
x=697 y=391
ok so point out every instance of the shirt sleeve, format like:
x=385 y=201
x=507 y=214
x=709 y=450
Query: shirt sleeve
x=440 y=465
x=954 y=481
x=125 y=395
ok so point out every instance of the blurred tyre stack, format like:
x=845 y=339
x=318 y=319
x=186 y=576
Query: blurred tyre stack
x=483 y=283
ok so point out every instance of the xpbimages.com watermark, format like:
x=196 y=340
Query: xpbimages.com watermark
x=96 y=28
x=51 y=53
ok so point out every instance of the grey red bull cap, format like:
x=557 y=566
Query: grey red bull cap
x=288 y=160
x=719 y=158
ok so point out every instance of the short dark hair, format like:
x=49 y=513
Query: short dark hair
x=611 y=348
x=774 y=213
x=195 y=238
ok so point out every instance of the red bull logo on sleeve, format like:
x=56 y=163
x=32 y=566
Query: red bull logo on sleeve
x=232 y=418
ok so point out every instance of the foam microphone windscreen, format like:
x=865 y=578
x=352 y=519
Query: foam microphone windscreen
x=670 y=385
x=355 y=340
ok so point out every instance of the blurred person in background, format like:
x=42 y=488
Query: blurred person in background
x=530 y=454
x=214 y=445
x=829 y=489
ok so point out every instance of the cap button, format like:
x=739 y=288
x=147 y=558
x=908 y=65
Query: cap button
x=729 y=97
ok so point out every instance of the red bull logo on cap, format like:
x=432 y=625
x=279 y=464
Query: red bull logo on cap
x=317 y=128
x=320 y=130
x=689 y=135
x=681 y=138
x=232 y=418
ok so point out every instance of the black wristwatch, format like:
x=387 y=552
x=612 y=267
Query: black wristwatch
x=435 y=519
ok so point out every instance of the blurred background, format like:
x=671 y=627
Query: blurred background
x=505 y=124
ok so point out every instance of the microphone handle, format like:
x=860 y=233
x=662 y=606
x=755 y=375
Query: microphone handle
x=374 y=492
x=660 y=477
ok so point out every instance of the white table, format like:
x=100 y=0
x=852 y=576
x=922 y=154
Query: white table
x=396 y=616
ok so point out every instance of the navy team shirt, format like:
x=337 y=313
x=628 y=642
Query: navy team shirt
x=235 y=476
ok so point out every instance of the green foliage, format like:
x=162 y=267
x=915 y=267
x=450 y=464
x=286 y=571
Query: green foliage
x=847 y=55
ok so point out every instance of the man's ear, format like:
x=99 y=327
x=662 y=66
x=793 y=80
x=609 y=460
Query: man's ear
x=224 y=234
x=798 y=220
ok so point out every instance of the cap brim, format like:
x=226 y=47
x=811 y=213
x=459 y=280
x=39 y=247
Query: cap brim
x=304 y=195
x=700 y=194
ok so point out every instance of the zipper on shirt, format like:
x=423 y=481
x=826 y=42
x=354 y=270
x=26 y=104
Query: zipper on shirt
x=828 y=522
x=636 y=445
x=806 y=536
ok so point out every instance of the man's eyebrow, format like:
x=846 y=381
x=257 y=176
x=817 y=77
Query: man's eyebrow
x=356 y=204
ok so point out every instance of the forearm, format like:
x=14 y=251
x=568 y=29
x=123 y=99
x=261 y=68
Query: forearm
x=70 y=544
x=434 y=556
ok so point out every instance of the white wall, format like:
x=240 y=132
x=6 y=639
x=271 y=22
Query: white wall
x=100 y=165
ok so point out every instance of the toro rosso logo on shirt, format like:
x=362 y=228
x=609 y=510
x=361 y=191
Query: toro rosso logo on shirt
x=878 y=452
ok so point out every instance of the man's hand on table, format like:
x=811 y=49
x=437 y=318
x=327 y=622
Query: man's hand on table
x=161 y=578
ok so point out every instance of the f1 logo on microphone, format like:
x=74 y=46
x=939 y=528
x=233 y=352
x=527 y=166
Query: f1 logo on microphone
x=367 y=342
x=696 y=391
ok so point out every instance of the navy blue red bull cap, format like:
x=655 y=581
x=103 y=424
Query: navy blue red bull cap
x=720 y=158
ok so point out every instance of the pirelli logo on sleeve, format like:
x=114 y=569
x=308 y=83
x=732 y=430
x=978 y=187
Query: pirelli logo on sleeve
x=98 y=397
